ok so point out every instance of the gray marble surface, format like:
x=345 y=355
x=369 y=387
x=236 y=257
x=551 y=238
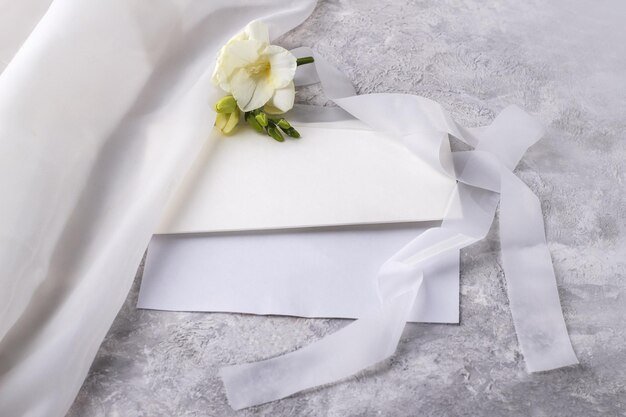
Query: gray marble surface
x=564 y=61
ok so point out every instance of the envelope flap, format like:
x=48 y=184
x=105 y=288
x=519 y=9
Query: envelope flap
x=338 y=174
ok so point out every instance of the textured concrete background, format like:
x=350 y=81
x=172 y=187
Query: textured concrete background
x=564 y=61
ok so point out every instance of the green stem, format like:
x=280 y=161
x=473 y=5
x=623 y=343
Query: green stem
x=305 y=60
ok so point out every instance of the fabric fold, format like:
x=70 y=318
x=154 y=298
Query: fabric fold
x=102 y=110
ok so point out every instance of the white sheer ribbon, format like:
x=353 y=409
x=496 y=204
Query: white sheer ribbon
x=485 y=176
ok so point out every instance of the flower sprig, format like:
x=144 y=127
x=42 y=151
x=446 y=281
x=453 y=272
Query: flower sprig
x=258 y=78
x=229 y=114
x=262 y=123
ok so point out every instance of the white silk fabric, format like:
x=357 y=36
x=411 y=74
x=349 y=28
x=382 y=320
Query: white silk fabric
x=102 y=110
x=485 y=176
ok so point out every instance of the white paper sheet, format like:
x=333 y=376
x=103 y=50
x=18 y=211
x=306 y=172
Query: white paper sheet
x=318 y=272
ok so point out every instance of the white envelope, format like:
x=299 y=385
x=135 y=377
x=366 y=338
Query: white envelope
x=302 y=226
x=339 y=173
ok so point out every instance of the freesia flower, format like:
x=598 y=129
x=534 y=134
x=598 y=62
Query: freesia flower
x=256 y=73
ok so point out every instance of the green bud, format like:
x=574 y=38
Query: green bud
x=226 y=122
x=283 y=124
x=220 y=120
x=293 y=133
x=226 y=104
x=275 y=134
x=262 y=119
x=233 y=121
x=253 y=123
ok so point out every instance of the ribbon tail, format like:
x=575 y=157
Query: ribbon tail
x=357 y=346
x=530 y=278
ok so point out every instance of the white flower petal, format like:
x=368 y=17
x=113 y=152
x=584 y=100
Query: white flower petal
x=283 y=65
x=241 y=36
x=241 y=53
x=282 y=100
x=250 y=93
x=251 y=70
x=258 y=31
x=220 y=77
x=215 y=78
x=243 y=87
x=234 y=56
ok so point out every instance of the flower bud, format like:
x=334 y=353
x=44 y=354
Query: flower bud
x=226 y=122
x=226 y=104
x=293 y=133
x=253 y=123
x=283 y=124
x=261 y=118
x=220 y=120
x=275 y=134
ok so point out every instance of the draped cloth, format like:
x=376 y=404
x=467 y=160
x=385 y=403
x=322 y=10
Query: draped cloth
x=103 y=107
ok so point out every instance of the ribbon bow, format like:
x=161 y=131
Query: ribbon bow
x=485 y=177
